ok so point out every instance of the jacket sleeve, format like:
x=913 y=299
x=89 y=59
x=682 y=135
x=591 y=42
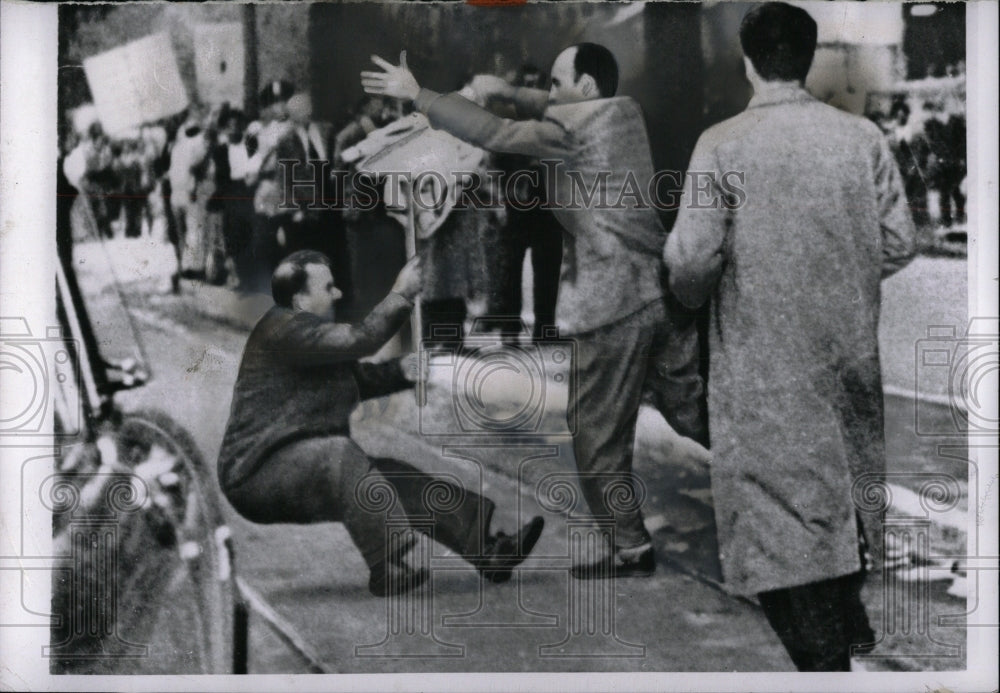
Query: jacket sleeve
x=695 y=249
x=309 y=340
x=530 y=103
x=467 y=121
x=380 y=379
x=895 y=220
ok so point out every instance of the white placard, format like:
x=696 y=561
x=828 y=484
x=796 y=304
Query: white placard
x=136 y=83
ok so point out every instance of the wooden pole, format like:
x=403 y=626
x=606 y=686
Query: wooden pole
x=416 y=317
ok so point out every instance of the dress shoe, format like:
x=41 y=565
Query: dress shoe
x=620 y=564
x=503 y=552
x=389 y=579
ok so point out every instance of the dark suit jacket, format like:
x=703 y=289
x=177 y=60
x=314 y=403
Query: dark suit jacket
x=611 y=264
x=290 y=148
x=300 y=377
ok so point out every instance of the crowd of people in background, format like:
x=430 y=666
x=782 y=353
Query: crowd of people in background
x=208 y=182
x=927 y=133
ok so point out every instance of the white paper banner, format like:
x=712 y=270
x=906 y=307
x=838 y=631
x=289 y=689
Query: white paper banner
x=136 y=83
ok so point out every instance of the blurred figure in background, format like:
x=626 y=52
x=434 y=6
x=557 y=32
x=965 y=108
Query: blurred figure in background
x=946 y=162
x=526 y=229
x=233 y=196
x=304 y=156
x=189 y=165
x=910 y=150
x=134 y=192
x=155 y=164
x=88 y=168
x=66 y=195
x=371 y=113
x=268 y=240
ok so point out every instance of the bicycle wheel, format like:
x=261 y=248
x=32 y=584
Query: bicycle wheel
x=169 y=607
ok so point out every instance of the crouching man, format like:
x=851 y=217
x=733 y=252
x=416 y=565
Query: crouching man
x=287 y=455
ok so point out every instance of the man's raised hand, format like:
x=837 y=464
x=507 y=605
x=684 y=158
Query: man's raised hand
x=409 y=280
x=415 y=369
x=395 y=81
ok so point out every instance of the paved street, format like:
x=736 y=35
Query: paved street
x=679 y=620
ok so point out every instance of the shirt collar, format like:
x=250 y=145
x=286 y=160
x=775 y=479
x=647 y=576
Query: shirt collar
x=772 y=95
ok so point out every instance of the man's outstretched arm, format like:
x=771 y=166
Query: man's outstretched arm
x=308 y=339
x=527 y=101
x=466 y=120
x=380 y=379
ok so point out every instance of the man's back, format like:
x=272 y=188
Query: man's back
x=793 y=267
x=805 y=250
x=611 y=260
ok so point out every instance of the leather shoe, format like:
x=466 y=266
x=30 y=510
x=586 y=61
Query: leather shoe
x=395 y=578
x=617 y=566
x=503 y=552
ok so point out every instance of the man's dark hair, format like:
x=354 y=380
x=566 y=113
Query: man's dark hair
x=780 y=41
x=290 y=275
x=598 y=62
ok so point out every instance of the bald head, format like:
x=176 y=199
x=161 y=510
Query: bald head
x=300 y=109
x=583 y=72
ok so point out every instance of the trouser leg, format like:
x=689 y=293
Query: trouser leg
x=460 y=517
x=674 y=383
x=264 y=251
x=506 y=295
x=818 y=623
x=315 y=480
x=604 y=402
x=133 y=204
x=443 y=320
x=180 y=239
x=546 y=259
x=944 y=200
x=332 y=480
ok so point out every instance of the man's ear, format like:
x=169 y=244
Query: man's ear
x=588 y=86
x=297 y=302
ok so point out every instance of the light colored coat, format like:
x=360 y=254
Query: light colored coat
x=793 y=267
x=611 y=266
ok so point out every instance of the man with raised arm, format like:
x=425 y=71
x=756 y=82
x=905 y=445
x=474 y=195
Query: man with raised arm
x=288 y=456
x=596 y=153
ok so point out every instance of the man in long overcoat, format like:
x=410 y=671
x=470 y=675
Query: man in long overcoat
x=793 y=268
